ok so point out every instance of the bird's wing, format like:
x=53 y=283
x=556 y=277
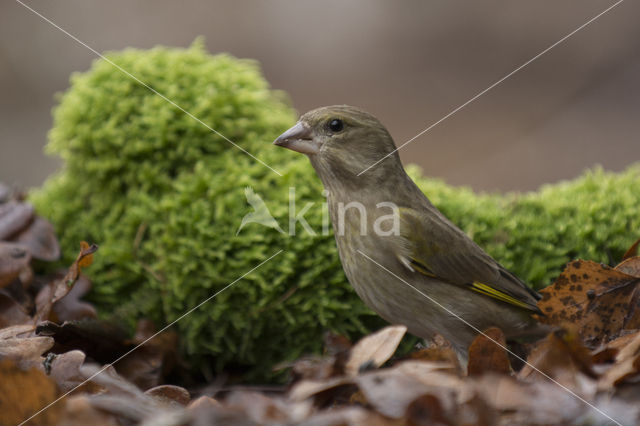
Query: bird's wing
x=431 y=245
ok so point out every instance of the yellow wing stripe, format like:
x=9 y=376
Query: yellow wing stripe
x=497 y=294
x=423 y=269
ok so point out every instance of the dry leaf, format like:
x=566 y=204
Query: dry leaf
x=15 y=331
x=170 y=395
x=626 y=364
x=98 y=339
x=436 y=354
x=598 y=300
x=78 y=411
x=311 y=368
x=537 y=403
x=630 y=266
x=203 y=402
x=485 y=355
x=25 y=351
x=40 y=238
x=427 y=410
x=633 y=250
x=71 y=308
x=24 y=393
x=563 y=357
x=65 y=369
x=14 y=216
x=375 y=349
x=11 y=312
x=58 y=289
x=391 y=390
x=307 y=388
x=14 y=259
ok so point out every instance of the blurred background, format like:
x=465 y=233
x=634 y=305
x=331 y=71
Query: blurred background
x=408 y=62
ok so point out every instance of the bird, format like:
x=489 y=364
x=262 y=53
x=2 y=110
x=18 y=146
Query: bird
x=402 y=256
x=260 y=213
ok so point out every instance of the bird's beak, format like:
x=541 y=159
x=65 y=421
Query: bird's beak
x=299 y=138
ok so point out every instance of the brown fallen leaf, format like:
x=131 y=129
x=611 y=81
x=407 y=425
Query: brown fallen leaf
x=427 y=410
x=633 y=250
x=310 y=368
x=14 y=259
x=374 y=349
x=435 y=354
x=203 y=401
x=24 y=392
x=71 y=308
x=14 y=216
x=64 y=369
x=597 y=300
x=337 y=351
x=391 y=390
x=11 y=312
x=307 y=388
x=487 y=356
x=120 y=398
x=58 y=289
x=263 y=409
x=78 y=411
x=40 y=238
x=21 y=330
x=170 y=395
x=25 y=351
x=563 y=357
x=630 y=266
x=336 y=343
x=626 y=364
x=607 y=353
x=536 y=403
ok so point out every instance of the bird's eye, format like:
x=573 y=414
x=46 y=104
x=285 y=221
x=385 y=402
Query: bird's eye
x=336 y=125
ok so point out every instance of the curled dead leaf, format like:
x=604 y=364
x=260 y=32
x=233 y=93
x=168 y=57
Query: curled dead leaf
x=58 y=289
x=632 y=251
x=375 y=349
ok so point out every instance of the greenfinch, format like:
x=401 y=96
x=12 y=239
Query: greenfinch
x=403 y=257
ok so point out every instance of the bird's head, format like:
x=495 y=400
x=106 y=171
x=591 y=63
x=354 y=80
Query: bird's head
x=342 y=143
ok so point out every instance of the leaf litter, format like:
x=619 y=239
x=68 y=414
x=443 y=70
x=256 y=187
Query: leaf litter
x=56 y=354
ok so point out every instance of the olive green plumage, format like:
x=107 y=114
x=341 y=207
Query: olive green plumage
x=421 y=270
x=164 y=198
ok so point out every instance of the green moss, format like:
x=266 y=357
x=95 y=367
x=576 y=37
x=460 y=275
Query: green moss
x=163 y=196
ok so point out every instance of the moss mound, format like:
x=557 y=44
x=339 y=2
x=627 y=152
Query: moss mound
x=164 y=197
